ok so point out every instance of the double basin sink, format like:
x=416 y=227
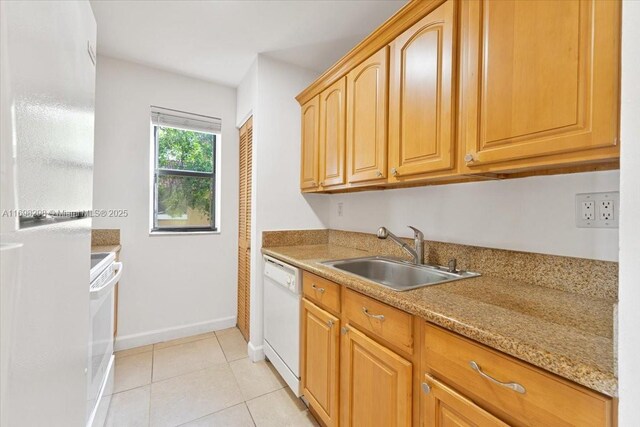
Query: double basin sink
x=396 y=274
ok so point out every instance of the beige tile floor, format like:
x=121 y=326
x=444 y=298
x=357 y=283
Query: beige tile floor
x=204 y=380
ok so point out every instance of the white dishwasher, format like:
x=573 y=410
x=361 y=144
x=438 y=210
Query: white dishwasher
x=282 y=293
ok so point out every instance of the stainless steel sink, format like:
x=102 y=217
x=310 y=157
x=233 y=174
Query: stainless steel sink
x=396 y=274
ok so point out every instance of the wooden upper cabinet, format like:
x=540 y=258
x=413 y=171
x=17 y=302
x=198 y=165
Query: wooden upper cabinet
x=332 y=134
x=367 y=119
x=421 y=96
x=539 y=79
x=310 y=145
x=449 y=90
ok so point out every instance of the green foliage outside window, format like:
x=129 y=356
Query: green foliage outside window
x=188 y=151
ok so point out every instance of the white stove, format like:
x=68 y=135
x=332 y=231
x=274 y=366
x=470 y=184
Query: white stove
x=105 y=273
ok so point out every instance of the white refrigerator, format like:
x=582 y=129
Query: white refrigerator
x=47 y=77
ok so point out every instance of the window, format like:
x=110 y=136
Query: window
x=184 y=171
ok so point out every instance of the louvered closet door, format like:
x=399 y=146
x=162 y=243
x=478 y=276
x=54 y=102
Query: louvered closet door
x=244 y=227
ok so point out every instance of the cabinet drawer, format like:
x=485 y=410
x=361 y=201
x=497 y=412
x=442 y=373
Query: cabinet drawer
x=323 y=292
x=527 y=395
x=390 y=324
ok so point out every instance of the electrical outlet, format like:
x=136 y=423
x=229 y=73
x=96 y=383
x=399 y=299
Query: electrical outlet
x=605 y=210
x=597 y=210
x=339 y=208
x=588 y=212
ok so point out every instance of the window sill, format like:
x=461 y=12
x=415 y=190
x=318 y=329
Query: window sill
x=181 y=233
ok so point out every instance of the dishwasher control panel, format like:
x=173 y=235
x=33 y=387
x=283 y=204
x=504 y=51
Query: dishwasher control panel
x=282 y=274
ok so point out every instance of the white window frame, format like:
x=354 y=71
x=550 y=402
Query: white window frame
x=182 y=120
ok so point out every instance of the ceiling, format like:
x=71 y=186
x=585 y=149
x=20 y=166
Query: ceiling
x=218 y=40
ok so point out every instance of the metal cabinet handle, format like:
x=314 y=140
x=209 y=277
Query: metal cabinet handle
x=394 y=171
x=330 y=323
x=317 y=289
x=513 y=386
x=378 y=174
x=313 y=183
x=469 y=158
x=426 y=388
x=379 y=317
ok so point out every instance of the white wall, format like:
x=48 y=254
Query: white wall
x=171 y=285
x=247 y=95
x=269 y=90
x=628 y=313
x=535 y=214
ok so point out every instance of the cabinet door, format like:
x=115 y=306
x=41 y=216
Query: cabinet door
x=538 y=78
x=320 y=346
x=367 y=119
x=332 y=134
x=421 y=113
x=375 y=383
x=310 y=145
x=446 y=408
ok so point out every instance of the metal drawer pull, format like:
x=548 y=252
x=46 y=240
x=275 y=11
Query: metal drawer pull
x=426 y=388
x=379 y=317
x=317 y=289
x=513 y=386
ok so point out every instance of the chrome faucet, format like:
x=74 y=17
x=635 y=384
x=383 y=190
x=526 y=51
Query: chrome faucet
x=418 y=239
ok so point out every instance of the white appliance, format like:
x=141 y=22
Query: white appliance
x=10 y=281
x=47 y=87
x=282 y=296
x=105 y=273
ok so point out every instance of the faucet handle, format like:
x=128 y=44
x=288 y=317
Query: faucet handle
x=416 y=233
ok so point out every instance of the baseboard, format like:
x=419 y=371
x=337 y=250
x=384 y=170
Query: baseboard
x=124 y=342
x=256 y=353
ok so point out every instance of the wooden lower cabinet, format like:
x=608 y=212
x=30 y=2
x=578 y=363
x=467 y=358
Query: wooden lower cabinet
x=444 y=407
x=320 y=361
x=379 y=370
x=542 y=399
x=375 y=383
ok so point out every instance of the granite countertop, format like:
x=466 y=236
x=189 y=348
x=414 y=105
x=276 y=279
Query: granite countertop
x=105 y=248
x=568 y=334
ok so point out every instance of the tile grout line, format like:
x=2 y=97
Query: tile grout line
x=264 y=394
x=211 y=365
x=153 y=345
x=250 y=414
x=226 y=361
x=217 y=412
x=131 y=389
x=131 y=355
x=189 y=373
x=180 y=343
x=224 y=353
